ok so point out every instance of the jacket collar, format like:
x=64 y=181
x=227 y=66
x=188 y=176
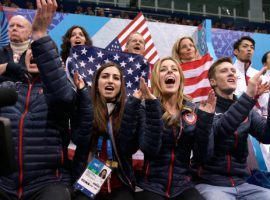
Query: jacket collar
x=223 y=103
x=240 y=66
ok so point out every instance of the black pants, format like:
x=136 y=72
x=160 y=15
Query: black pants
x=119 y=194
x=57 y=191
x=188 y=194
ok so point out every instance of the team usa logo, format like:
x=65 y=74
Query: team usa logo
x=190 y=118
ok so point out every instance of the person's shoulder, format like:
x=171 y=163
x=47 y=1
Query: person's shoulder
x=189 y=103
x=6 y=47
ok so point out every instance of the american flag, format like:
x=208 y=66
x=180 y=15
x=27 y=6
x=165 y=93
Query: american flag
x=138 y=24
x=196 y=78
x=86 y=60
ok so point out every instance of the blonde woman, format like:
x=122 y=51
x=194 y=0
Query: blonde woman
x=184 y=50
x=167 y=148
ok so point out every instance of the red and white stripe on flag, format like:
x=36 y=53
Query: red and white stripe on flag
x=138 y=24
x=196 y=78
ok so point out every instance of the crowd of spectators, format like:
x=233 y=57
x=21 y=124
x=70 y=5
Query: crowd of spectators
x=124 y=14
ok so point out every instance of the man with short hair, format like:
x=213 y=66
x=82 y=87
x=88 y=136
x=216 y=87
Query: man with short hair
x=135 y=44
x=12 y=56
x=244 y=50
x=223 y=176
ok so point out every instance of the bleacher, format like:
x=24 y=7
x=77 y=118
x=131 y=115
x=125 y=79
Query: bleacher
x=159 y=14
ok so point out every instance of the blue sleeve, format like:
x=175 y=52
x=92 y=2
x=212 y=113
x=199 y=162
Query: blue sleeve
x=57 y=87
x=228 y=122
x=141 y=127
x=128 y=138
x=260 y=126
x=204 y=136
x=150 y=127
x=82 y=120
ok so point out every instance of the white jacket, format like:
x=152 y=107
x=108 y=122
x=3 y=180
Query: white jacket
x=242 y=85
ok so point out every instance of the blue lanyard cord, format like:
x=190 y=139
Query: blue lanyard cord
x=109 y=147
x=109 y=128
x=99 y=144
x=108 y=143
x=109 y=150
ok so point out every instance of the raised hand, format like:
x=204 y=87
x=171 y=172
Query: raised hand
x=79 y=83
x=137 y=94
x=255 y=83
x=43 y=18
x=262 y=88
x=209 y=105
x=146 y=93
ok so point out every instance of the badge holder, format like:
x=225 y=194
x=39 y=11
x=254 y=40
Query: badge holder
x=93 y=178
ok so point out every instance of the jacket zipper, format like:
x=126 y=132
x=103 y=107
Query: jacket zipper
x=146 y=170
x=20 y=192
x=229 y=169
x=236 y=139
x=57 y=172
x=170 y=173
x=171 y=165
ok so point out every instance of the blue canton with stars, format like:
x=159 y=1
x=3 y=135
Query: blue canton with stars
x=86 y=60
x=114 y=46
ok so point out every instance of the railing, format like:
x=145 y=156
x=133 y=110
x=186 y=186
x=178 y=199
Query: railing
x=154 y=5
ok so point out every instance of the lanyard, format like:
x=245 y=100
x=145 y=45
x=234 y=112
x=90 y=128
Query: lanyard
x=108 y=143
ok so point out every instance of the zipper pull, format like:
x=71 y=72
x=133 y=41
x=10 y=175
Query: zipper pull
x=109 y=184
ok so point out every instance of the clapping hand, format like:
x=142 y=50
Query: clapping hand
x=79 y=83
x=255 y=86
x=146 y=93
x=262 y=88
x=143 y=92
x=209 y=105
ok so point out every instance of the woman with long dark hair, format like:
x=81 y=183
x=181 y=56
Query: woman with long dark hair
x=98 y=125
x=75 y=35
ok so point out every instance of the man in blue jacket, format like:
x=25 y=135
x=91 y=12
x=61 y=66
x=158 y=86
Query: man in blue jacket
x=39 y=119
x=223 y=176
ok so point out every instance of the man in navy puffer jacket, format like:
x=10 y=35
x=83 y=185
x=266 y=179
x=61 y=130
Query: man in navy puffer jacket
x=39 y=119
x=223 y=176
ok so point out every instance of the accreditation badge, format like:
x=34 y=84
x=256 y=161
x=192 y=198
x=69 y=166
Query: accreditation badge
x=93 y=178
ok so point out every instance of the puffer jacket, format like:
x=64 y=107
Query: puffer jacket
x=39 y=122
x=85 y=138
x=234 y=120
x=167 y=149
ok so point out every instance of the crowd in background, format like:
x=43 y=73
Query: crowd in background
x=190 y=152
x=125 y=14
